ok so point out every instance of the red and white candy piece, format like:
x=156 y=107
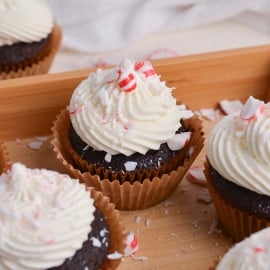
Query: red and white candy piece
x=145 y=67
x=127 y=81
x=230 y=106
x=196 y=176
x=251 y=109
x=178 y=141
x=111 y=75
x=132 y=245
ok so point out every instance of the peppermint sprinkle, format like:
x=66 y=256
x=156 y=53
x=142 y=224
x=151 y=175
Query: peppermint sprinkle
x=137 y=219
x=48 y=239
x=35 y=145
x=130 y=165
x=114 y=256
x=108 y=157
x=95 y=242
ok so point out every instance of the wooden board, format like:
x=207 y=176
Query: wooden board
x=180 y=233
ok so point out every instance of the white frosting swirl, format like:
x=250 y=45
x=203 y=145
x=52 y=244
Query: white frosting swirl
x=26 y=21
x=125 y=110
x=251 y=253
x=44 y=218
x=240 y=150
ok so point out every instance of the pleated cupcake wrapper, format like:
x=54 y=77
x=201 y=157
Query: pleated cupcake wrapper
x=117 y=232
x=41 y=66
x=4 y=158
x=237 y=224
x=139 y=194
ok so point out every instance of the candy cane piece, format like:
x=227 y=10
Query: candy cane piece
x=196 y=176
x=132 y=245
x=251 y=109
x=145 y=67
x=178 y=141
x=127 y=82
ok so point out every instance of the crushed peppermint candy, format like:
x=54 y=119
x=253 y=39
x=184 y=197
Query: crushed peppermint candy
x=96 y=242
x=130 y=165
x=251 y=109
x=230 y=106
x=137 y=219
x=132 y=245
x=108 y=157
x=213 y=227
x=204 y=197
x=140 y=258
x=147 y=222
x=178 y=141
x=114 y=256
x=35 y=145
x=196 y=176
x=209 y=114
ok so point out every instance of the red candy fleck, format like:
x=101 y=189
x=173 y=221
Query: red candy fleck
x=75 y=111
x=258 y=249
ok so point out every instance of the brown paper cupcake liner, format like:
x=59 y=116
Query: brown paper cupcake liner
x=40 y=66
x=139 y=194
x=237 y=224
x=117 y=233
x=4 y=158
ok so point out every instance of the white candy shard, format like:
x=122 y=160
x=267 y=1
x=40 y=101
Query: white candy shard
x=196 y=175
x=114 y=256
x=178 y=141
x=232 y=106
x=251 y=108
x=185 y=114
x=208 y=113
x=108 y=157
x=130 y=165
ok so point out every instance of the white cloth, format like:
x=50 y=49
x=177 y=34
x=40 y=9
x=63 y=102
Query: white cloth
x=104 y=26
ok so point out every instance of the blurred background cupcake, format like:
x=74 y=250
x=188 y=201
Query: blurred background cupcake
x=237 y=169
x=125 y=135
x=29 y=38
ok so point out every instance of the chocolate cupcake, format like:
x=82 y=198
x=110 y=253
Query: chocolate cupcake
x=50 y=221
x=29 y=38
x=237 y=169
x=124 y=134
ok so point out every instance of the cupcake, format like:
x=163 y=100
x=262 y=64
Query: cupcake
x=50 y=221
x=237 y=169
x=251 y=253
x=124 y=134
x=29 y=38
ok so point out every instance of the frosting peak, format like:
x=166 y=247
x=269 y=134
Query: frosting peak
x=44 y=218
x=238 y=147
x=125 y=109
x=24 y=21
